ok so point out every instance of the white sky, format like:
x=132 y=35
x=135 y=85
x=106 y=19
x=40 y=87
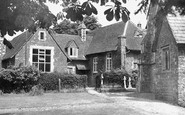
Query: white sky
x=131 y=5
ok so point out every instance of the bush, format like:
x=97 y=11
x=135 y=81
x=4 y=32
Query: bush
x=50 y=81
x=134 y=78
x=116 y=77
x=36 y=90
x=18 y=78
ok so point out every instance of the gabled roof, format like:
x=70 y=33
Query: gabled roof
x=70 y=42
x=63 y=39
x=17 y=43
x=60 y=39
x=177 y=24
x=106 y=38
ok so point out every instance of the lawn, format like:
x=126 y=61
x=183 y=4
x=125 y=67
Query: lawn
x=9 y=101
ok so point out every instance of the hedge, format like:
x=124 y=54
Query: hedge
x=18 y=79
x=23 y=79
x=50 y=81
x=113 y=77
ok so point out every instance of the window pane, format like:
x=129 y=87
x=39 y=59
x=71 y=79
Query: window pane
x=48 y=59
x=47 y=67
x=41 y=67
x=35 y=51
x=35 y=58
x=41 y=58
x=48 y=51
x=41 y=51
x=35 y=65
x=41 y=35
x=71 y=51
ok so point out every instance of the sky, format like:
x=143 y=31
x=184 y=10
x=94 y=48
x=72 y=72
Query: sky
x=131 y=5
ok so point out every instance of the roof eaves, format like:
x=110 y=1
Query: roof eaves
x=17 y=50
x=59 y=46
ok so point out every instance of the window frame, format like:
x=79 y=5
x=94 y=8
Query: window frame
x=73 y=69
x=41 y=60
x=44 y=35
x=166 y=63
x=109 y=61
x=95 y=65
x=74 y=52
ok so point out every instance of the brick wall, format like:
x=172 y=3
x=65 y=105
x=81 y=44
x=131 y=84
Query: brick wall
x=116 y=62
x=23 y=56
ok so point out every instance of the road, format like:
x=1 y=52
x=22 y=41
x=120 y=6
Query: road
x=126 y=103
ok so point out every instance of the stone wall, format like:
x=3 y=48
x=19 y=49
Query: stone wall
x=164 y=82
x=181 y=72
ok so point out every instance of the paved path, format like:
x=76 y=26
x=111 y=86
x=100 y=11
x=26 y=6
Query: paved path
x=125 y=103
x=144 y=102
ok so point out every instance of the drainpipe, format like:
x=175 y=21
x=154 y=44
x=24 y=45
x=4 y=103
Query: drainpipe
x=122 y=42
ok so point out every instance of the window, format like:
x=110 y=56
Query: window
x=108 y=62
x=166 y=58
x=73 y=52
x=41 y=58
x=95 y=63
x=42 y=35
x=71 y=70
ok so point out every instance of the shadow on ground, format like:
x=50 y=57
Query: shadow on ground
x=7 y=114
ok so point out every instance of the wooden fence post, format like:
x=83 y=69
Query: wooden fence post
x=59 y=84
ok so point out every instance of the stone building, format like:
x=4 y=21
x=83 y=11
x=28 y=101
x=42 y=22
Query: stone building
x=110 y=47
x=163 y=58
x=114 y=47
x=49 y=51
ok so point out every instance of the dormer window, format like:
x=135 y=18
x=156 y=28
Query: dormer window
x=72 y=52
x=42 y=35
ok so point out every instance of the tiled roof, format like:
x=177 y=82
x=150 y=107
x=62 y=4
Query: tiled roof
x=63 y=39
x=106 y=38
x=177 y=24
x=17 y=43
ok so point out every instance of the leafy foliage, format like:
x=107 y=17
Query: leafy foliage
x=67 y=27
x=113 y=77
x=17 y=15
x=50 y=81
x=17 y=79
x=75 y=11
x=168 y=6
x=116 y=11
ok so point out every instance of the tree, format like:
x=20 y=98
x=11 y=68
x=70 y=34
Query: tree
x=17 y=15
x=158 y=10
x=68 y=27
x=91 y=22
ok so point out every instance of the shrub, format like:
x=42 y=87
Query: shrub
x=116 y=77
x=18 y=79
x=50 y=81
x=134 y=78
x=36 y=90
